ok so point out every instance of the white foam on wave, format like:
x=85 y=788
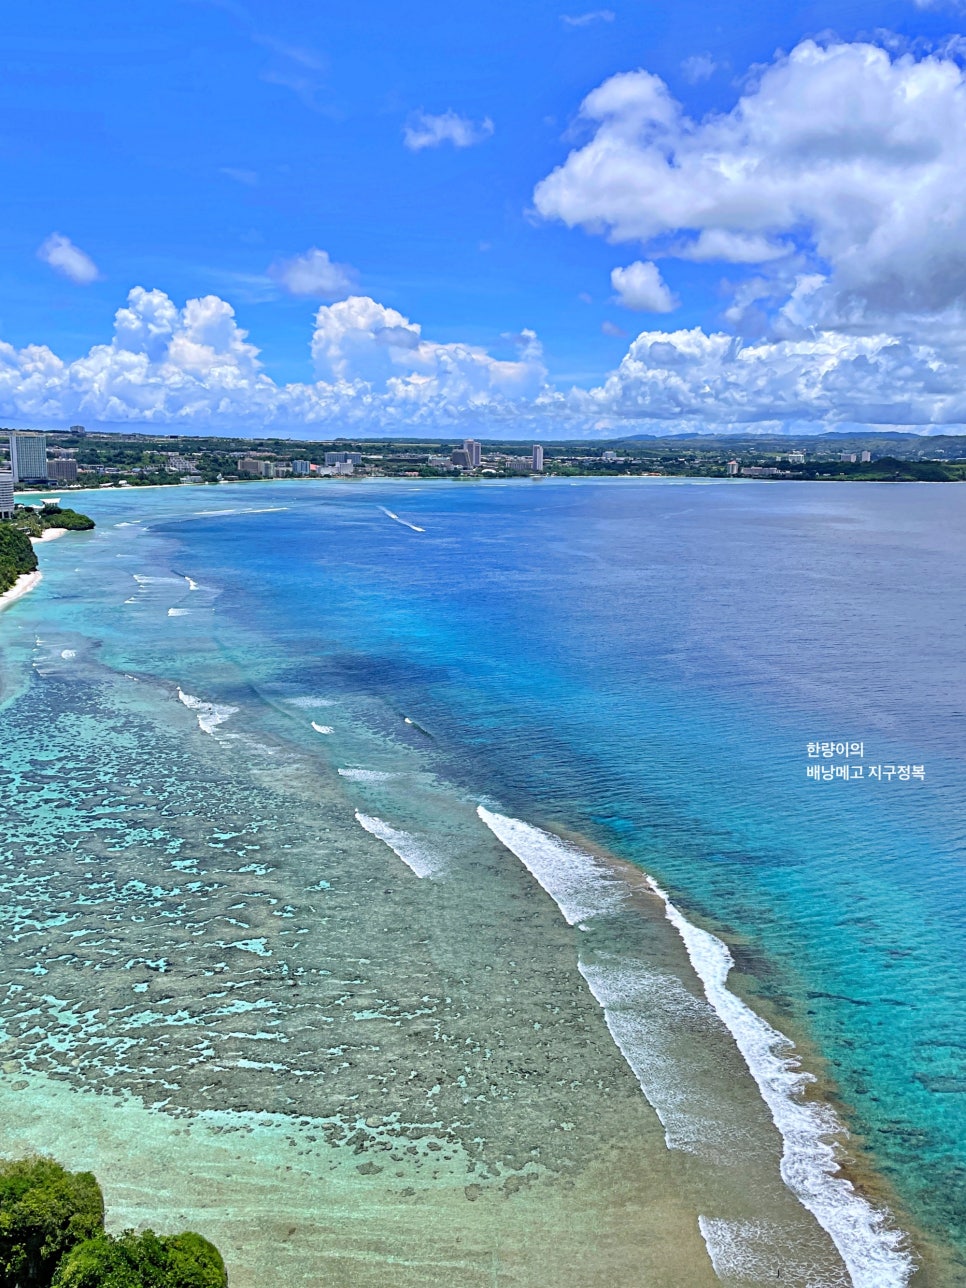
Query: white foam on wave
x=745 y=1254
x=210 y=714
x=68 y=654
x=405 y=523
x=177 y=612
x=320 y=728
x=310 y=702
x=367 y=775
x=192 y=585
x=404 y=845
x=579 y=884
x=644 y=1011
x=873 y=1251
x=143 y=579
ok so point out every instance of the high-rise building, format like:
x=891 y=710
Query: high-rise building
x=865 y=458
x=62 y=469
x=28 y=457
x=301 y=468
x=732 y=468
x=473 y=450
x=6 y=494
x=343 y=458
x=537 y=461
x=461 y=457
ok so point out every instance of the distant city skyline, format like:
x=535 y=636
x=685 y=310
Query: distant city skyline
x=528 y=223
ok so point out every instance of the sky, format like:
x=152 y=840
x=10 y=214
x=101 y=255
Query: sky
x=534 y=220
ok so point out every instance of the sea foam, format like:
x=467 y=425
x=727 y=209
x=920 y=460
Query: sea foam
x=872 y=1250
x=404 y=845
x=579 y=884
x=210 y=714
x=749 y=1253
x=367 y=775
x=645 y=1011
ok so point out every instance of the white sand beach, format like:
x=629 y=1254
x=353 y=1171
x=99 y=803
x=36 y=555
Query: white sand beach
x=24 y=583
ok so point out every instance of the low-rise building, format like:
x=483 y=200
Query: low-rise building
x=259 y=468
x=519 y=464
x=62 y=469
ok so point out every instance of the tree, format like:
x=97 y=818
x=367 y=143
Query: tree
x=143 y=1261
x=44 y=1212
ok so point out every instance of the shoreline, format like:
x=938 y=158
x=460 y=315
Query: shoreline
x=25 y=583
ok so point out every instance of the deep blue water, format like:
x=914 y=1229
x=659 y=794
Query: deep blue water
x=645 y=663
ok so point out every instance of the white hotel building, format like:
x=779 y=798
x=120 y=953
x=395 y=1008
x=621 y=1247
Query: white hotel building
x=28 y=457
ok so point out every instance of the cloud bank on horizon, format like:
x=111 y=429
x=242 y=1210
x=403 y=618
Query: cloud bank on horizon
x=831 y=195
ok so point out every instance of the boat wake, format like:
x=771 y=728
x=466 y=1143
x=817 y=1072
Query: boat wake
x=405 y=523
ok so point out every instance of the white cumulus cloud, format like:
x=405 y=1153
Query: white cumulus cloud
x=640 y=286
x=193 y=367
x=428 y=131
x=66 y=258
x=854 y=154
x=313 y=273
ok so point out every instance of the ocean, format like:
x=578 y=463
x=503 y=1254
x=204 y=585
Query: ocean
x=508 y=883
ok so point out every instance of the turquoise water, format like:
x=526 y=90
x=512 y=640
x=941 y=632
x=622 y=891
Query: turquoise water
x=641 y=664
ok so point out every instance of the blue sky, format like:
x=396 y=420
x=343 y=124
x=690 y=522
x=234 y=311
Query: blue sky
x=203 y=149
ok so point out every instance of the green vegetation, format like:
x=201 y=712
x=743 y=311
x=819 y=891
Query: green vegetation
x=52 y=1236
x=44 y=1212
x=143 y=1261
x=16 y=552
x=16 y=555
x=35 y=522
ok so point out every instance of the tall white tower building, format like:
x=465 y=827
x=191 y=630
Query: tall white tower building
x=28 y=457
x=537 y=459
x=6 y=494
